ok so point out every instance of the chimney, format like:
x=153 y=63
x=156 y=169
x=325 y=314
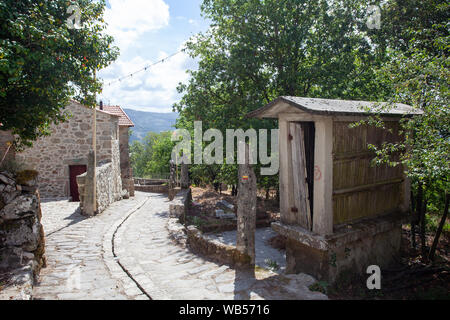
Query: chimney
x=101 y=105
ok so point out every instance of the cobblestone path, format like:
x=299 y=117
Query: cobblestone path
x=126 y=253
x=80 y=264
x=167 y=271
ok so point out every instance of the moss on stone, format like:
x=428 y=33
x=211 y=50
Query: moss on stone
x=23 y=177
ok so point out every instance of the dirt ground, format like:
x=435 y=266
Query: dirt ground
x=202 y=212
x=411 y=278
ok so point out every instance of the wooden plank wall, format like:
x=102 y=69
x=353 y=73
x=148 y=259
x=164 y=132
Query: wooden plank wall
x=359 y=188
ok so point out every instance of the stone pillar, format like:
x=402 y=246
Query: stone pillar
x=246 y=209
x=89 y=187
x=172 y=177
x=172 y=180
x=184 y=176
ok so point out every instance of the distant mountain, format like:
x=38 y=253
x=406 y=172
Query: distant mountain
x=150 y=121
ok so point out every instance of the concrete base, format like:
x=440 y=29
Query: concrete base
x=350 y=249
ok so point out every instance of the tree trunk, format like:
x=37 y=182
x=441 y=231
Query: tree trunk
x=416 y=218
x=439 y=230
x=413 y=229
x=423 y=223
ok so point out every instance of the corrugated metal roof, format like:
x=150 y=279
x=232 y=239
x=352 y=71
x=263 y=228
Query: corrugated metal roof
x=124 y=120
x=336 y=107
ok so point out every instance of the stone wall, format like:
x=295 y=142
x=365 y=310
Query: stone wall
x=152 y=188
x=125 y=164
x=180 y=204
x=349 y=250
x=195 y=239
x=22 y=242
x=69 y=144
x=215 y=250
x=109 y=182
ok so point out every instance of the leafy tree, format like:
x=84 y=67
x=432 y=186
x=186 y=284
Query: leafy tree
x=161 y=154
x=152 y=155
x=418 y=74
x=141 y=153
x=256 y=51
x=44 y=63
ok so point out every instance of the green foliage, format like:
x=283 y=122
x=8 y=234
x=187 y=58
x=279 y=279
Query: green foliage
x=273 y=265
x=152 y=156
x=44 y=63
x=256 y=51
x=417 y=74
x=319 y=286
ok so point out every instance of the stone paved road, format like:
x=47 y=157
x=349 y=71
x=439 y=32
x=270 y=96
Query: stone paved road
x=167 y=271
x=126 y=253
x=79 y=255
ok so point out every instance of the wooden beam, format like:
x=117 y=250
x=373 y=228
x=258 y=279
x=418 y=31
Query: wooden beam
x=323 y=180
x=366 y=187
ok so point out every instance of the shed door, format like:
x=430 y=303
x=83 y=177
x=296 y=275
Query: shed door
x=74 y=172
x=302 y=157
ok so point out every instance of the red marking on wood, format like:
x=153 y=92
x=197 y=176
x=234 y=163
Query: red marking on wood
x=317 y=173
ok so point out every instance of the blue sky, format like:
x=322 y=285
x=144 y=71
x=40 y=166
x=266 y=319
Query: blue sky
x=147 y=31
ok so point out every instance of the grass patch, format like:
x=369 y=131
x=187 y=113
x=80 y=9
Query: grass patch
x=319 y=286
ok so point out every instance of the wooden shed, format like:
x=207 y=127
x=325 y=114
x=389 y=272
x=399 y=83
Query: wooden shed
x=339 y=212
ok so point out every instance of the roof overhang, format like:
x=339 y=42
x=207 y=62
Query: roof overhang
x=329 y=107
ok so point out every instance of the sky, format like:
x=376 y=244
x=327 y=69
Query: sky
x=147 y=31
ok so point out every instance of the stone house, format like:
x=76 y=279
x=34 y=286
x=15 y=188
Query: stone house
x=125 y=124
x=63 y=155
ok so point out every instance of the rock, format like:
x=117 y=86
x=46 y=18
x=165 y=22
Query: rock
x=6 y=180
x=225 y=205
x=8 y=197
x=10 y=257
x=222 y=215
x=24 y=233
x=125 y=194
x=27 y=178
x=21 y=207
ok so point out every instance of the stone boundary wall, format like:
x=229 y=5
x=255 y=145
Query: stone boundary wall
x=107 y=187
x=22 y=240
x=195 y=240
x=109 y=182
x=148 y=182
x=152 y=188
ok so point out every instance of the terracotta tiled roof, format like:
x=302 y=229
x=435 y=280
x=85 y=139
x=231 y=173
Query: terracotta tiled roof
x=124 y=120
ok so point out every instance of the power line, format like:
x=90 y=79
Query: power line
x=144 y=69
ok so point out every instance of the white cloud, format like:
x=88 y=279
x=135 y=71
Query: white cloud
x=151 y=90
x=129 y=19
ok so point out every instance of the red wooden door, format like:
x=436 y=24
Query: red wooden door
x=74 y=172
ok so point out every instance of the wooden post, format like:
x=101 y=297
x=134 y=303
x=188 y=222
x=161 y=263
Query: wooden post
x=246 y=212
x=323 y=183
